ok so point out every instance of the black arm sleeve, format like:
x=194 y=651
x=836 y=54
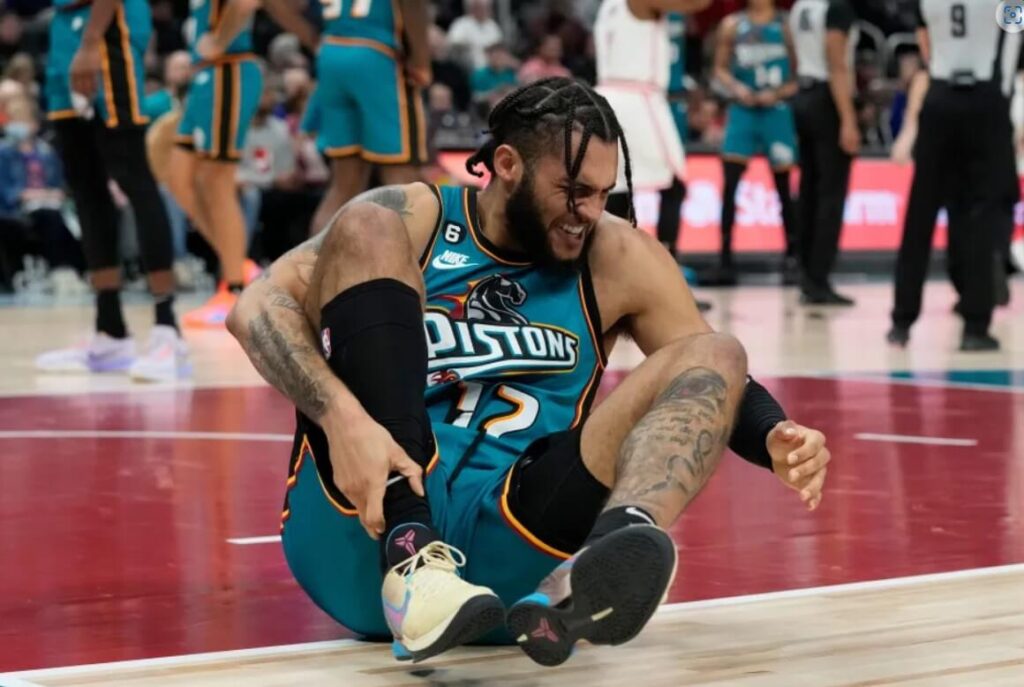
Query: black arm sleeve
x=840 y=16
x=759 y=412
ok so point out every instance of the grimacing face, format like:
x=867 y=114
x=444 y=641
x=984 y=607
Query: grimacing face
x=537 y=209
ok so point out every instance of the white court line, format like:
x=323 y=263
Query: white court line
x=903 y=381
x=247 y=541
x=910 y=439
x=132 y=388
x=11 y=681
x=289 y=650
x=142 y=434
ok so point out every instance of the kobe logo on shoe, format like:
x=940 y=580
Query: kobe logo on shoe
x=407 y=542
x=544 y=631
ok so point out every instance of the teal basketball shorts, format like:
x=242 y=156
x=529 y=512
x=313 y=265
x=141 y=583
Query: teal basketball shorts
x=767 y=131
x=515 y=516
x=219 y=107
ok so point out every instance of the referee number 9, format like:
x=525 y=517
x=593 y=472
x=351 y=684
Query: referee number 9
x=958 y=20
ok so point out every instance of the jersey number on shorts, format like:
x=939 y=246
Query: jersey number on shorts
x=333 y=8
x=768 y=77
x=525 y=414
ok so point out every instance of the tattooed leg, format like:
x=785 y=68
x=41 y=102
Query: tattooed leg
x=658 y=438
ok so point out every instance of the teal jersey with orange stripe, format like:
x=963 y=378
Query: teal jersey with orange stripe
x=514 y=348
x=203 y=17
x=377 y=21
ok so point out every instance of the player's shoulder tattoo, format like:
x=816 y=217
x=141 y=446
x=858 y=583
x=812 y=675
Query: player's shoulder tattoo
x=390 y=197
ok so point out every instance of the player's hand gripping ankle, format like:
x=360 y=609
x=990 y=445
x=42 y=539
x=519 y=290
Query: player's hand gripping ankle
x=363 y=454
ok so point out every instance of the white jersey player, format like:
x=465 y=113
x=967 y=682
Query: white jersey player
x=633 y=56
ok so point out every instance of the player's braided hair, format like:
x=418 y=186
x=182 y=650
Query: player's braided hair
x=531 y=118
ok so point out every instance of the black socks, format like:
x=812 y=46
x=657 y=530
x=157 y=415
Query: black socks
x=236 y=288
x=165 y=311
x=109 y=318
x=372 y=336
x=617 y=518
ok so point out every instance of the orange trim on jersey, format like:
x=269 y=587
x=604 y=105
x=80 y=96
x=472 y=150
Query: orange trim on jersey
x=236 y=100
x=473 y=231
x=108 y=86
x=519 y=528
x=595 y=336
x=343 y=151
x=425 y=260
x=218 y=85
x=61 y=114
x=362 y=43
x=129 y=67
x=583 y=397
x=224 y=59
x=184 y=138
x=519 y=405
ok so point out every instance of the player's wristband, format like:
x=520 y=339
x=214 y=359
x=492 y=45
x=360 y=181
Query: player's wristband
x=759 y=412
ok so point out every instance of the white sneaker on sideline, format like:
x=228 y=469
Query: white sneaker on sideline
x=164 y=357
x=95 y=353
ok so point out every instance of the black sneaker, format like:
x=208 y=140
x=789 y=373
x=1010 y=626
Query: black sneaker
x=604 y=594
x=979 y=342
x=828 y=297
x=702 y=306
x=898 y=336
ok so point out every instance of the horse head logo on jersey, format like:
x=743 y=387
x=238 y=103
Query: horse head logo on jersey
x=493 y=299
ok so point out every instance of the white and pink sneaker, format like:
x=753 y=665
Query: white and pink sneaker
x=164 y=357
x=94 y=353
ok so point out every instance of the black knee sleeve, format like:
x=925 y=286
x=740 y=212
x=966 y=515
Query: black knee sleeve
x=374 y=342
x=87 y=178
x=124 y=153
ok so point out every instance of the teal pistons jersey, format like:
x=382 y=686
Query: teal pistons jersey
x=203 y=18
x=760 y=59
x=514 y=350
x=361 y=21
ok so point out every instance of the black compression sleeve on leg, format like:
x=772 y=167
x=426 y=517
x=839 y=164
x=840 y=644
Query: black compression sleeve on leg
x=759 y=412
x=124 y=152
x=788 y=210
x=374 y=342
x=87 y=179
x=733 y=172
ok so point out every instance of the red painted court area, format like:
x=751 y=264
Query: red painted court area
x=115 y=546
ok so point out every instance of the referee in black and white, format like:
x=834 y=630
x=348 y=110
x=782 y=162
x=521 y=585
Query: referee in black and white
x=824 y=36
x=964 y=160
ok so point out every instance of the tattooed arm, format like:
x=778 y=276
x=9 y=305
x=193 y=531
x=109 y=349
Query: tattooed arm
x=271 y=324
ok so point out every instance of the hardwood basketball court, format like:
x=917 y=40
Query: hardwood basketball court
x=138 y=524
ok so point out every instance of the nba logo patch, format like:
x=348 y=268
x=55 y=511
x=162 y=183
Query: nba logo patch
x=325 y=341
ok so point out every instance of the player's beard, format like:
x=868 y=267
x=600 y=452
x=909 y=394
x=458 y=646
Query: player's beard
x=526 y=226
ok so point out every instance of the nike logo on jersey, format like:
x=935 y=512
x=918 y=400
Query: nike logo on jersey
x=450 y=260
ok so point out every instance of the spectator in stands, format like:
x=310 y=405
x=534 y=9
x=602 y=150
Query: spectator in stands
x=909 y=64
x=177 y=72
x=31 y=196
x=9 y=92
x=446 y=70
x=11 y=31
x=285 y=51
x=22 y=69
x=470 y=34
x=297 y=85
x=545 y=62
x=491 y=82
x=268 y=159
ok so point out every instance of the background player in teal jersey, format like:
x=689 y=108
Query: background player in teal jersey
x=479 y=435
x=94 y=92
x=221 y=101
x=373 y=63
x=754 y=61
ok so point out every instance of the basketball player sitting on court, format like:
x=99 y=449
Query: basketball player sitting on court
x=522 y=289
